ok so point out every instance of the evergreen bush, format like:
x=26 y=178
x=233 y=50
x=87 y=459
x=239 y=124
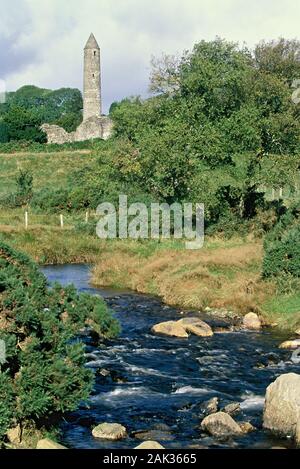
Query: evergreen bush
x=43 y=374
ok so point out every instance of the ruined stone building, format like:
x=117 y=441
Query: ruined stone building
x=94 y=124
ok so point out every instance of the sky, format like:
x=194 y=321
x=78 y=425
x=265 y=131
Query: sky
x=41 y=41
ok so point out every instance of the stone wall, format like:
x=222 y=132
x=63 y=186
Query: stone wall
x=94 y=127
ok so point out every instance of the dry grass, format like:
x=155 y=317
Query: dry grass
x=224 y=277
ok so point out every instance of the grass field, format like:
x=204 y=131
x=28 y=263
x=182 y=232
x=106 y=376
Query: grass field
x=48 y=169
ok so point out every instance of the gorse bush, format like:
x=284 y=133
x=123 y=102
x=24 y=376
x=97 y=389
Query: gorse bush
x=43 y=374
x=282 y=246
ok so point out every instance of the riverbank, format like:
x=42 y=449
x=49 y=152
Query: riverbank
x=167 y=384
x=224 y=274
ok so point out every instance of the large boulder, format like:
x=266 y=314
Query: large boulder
x=290 y=344
x=221 y=425
x=282 y=406
x=46 y=443
x=196 y=326
x=109 y=431
x=251 y=321
x=149 y=445
x=170 y=328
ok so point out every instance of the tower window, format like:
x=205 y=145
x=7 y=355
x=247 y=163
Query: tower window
x=93 y=75
x=95 y=53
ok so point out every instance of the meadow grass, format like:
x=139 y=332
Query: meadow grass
x=48 y=169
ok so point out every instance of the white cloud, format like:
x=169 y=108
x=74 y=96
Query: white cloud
x=43 y=40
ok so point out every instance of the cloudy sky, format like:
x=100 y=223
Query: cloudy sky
x=41 y=41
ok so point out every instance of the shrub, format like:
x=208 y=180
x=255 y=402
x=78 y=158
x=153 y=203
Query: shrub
x=35 y=147
x=43 y=375
x=282 y=246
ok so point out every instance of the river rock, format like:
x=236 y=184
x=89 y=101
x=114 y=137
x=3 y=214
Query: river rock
x=170 y=328
x=14 y=435
x=46 y=443
x=247 y=427
x=196 y=326
x=223 y=330
x=297 y=332
x=282 y=406
x=109 y=431
x=221 y=425
x=251 y=321
x=149 y=445
x=211 y=406
x=232 y=408
x=153 y=435
x=290 y=344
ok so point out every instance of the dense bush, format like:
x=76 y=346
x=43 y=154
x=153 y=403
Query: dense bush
x=282 y=246
x=220 y=126
x=27 y=108
x=43 y=375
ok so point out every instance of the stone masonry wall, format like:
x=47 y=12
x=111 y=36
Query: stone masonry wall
x=94 y=127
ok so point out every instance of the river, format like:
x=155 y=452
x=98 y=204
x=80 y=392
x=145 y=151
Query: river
x=161 y=383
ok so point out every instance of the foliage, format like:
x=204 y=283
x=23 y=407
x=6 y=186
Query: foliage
x=29 y=107
x=282 y=246
x=221 y=126
x=23 y=124
x=44 y=374
x=24 y=182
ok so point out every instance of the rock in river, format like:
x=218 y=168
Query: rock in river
x=149 y=445
x=109 y=431
x=221 y=425
x=282 y=406
x=251 y=321
x=247 y=427
x=171 y=328
x=233 y=408
x=196 y=326
x=211 y=406
x=182 y=327
x=290 y=344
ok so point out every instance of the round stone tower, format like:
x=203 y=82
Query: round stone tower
x=92 y=80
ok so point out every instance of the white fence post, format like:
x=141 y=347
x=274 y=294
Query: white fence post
x=61 y=221
x=26 y=220
x=86 y=216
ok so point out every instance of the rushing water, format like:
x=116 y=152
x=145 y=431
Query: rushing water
x=160 y=382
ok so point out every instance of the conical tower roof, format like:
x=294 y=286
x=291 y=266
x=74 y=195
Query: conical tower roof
x=92 y=43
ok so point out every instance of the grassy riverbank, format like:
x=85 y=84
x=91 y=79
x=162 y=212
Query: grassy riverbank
x=224 y=274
